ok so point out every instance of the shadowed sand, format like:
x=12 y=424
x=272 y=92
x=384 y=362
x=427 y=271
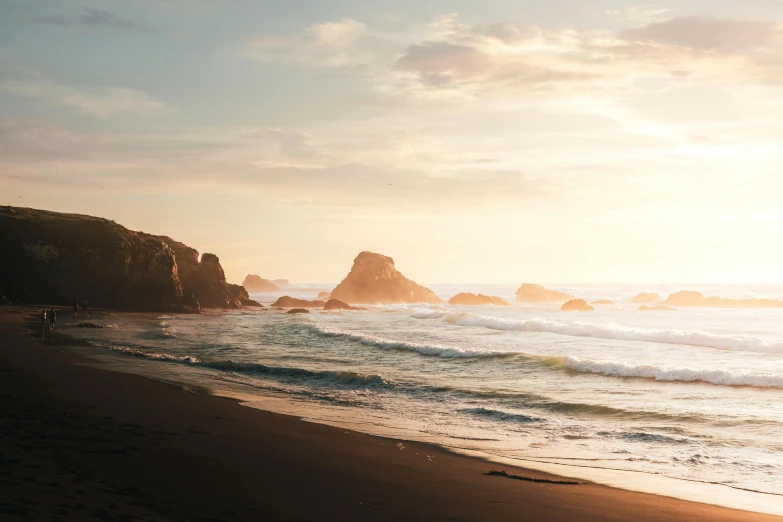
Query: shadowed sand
x=80 y=443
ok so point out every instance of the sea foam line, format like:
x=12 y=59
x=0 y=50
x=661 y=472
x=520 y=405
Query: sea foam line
x=421 y=348
x=664 y=373
x=622 y=333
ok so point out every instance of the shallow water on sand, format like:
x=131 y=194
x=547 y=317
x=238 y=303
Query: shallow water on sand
x=694 y=394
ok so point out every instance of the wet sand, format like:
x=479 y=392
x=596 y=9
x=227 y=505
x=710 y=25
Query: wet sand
x=80 y=443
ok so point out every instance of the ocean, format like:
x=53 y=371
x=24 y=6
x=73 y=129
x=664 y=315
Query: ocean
x=686 y=402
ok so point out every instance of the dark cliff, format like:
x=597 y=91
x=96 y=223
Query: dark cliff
x=51 y=257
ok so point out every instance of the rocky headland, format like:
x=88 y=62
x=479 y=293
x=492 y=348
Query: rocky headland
x=373 y=279
x=55 y=258
x=257 y=285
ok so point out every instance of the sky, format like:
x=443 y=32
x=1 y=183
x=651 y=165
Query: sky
x=501 y=141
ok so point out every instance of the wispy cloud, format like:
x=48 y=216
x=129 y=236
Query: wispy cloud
x=100 y=102
x=93 y=18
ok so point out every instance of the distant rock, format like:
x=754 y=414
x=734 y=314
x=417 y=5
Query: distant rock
x=374 y=280
x=466 y=298
x=530 y=293
x=88 y=325
x=334 y=304
x=647 y=297
x=298 y=311
x=603 y=302
x=645 y=308
x=292 y=302
x=576 y=305
x=690 y=298
x=324 y=295
x=256 y=285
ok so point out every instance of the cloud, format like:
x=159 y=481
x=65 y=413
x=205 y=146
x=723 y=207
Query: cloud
x=325 y=44
x=456 y=61
x=704 y=33
x=92 y=18
x=100 y=102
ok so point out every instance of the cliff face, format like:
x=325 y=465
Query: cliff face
x=54 y=258
x=374 y=280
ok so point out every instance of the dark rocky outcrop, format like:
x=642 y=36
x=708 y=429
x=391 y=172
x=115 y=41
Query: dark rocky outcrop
x=647 y=297
x=577 y=305
x=54 y=257
x=530 y=293
x=692 y=298
x=335 y=304
x=255 y=284
x=603 y=302
x=374 y=280
x=298 y=311
x=292 y=302
x=466 y=298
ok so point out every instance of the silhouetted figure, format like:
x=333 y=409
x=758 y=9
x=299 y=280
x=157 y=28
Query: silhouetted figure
x=52 y=319
x=43 y=324
x=76 y=307
x=84 y=308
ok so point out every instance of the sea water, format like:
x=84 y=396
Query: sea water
x=692 y=394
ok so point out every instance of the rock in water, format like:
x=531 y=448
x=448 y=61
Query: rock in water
x=692 y=298
x=334 y=304
x=255 y=284
x=298 y=311
x=466 y=298
x=374 y=280
x=577 y=305
x=292 y=302
x=529 y=293
x=647 y=297
x=56 y=257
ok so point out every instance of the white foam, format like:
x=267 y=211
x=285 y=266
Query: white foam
x=664 y=373
x=428 y=314
x=623 y=333
x=390 y=344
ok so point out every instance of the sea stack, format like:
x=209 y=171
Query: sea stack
x=256 y=284
x=576 y=305
x=647 y=297
x=373 y=279
x=529 y=293
x=466 y=298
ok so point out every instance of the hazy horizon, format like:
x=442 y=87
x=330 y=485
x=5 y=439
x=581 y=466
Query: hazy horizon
x=614 y=142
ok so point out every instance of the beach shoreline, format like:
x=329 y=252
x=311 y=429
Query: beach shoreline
x=81 y=441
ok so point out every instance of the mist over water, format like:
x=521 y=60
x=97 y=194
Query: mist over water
x=692 y=393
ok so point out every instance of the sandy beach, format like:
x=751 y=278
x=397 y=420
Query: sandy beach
x=80 y=443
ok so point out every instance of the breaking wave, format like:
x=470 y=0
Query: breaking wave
x=500 y=415
x=424 y=349
x=662 y=373
x=622 y=333
x=348 y=378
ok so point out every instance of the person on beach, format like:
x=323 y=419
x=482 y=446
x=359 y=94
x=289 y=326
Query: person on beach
x=84 y=308
x=76 y=307
x=52 y=319
x=43 y=324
